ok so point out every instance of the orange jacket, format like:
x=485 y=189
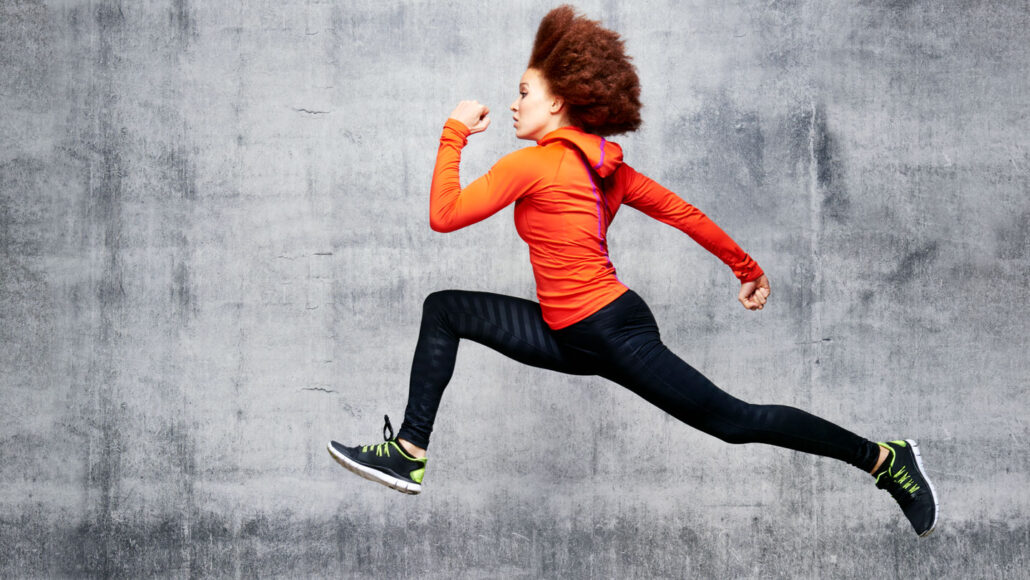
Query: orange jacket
x=563 y=207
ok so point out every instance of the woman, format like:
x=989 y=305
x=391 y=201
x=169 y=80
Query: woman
x=580 y=88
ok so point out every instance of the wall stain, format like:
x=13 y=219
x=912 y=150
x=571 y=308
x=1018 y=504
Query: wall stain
x=892 y=5
x=914 y=263
x=103 y=212
x=178 y=167
x=797 y=127
x=731 y=141
x=181 y=18
x=1013 y=238
x=11 y=174
x=182 y=294
x=26 y=41
x=829 y=171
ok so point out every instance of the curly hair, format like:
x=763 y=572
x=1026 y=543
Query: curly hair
x=586 y=64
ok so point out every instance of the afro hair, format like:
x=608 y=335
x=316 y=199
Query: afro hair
x=586 y=64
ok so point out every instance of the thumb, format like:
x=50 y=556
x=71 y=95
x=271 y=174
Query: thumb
x=480 y=125
x=744 y=296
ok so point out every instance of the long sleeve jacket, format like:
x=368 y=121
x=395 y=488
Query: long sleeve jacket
x=566 y=191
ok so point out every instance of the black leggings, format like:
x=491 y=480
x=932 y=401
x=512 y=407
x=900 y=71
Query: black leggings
x=621 y=343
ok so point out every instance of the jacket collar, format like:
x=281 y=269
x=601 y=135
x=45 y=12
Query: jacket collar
x=603 y=155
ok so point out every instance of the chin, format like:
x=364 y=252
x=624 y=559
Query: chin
x=521 y=133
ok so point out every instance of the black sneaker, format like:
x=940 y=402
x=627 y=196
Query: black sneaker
x=902 y=475
x=385 y=463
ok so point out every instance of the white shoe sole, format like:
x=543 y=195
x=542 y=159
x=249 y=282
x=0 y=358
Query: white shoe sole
x=933 y=492
x=375 y=475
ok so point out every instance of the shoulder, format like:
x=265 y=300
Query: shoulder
x=531 y=153
x=530 y=161
x=625 y=175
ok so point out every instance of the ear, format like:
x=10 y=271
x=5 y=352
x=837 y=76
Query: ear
x=557 y=105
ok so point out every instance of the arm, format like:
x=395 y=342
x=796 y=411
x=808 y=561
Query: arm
x=451 y=207
x=646 y=195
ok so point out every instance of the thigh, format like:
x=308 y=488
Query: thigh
x=640 y=361
x=624 y=340
x=512 y=326
x=665 y=380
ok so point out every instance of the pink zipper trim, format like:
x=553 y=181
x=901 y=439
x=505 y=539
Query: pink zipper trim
x=602 y=214
x=601 y=162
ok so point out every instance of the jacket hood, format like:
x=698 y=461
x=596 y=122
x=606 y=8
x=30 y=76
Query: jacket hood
x=603 y=155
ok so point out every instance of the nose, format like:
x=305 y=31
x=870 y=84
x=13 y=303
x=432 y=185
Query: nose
x=514 y=106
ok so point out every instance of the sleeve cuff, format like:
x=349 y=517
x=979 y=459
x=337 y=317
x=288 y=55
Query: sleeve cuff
x=457 y=129
x=748 y=270
x=755 y=274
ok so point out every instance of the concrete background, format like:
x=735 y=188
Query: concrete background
x=214 y=247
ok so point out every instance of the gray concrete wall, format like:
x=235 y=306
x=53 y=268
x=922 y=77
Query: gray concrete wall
x=214 y=247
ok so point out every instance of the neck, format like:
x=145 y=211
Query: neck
x=556 y=122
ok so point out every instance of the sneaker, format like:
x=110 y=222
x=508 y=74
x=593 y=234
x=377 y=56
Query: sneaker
x=385 y=463
x=902 y=475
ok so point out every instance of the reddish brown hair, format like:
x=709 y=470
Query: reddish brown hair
x=586 y=64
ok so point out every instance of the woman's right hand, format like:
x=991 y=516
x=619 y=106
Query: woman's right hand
x=754 y=294
x=472 y=115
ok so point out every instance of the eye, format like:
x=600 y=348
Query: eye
x=523 y=93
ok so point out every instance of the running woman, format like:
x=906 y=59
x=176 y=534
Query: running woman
x=579 y=89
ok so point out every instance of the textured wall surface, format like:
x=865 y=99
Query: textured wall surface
x=214 y=248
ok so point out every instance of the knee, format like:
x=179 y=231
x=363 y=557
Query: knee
x=737 y=426
x=439 y=301
x=732 y=435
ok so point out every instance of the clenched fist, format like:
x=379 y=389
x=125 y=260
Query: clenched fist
x=754 y=294
x=473 y=115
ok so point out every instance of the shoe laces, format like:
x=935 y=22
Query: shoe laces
x=384 y=447
x=899 y=482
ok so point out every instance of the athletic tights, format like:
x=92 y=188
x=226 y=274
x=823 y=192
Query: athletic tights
x=619 y=342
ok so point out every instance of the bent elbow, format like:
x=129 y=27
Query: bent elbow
x=441 y=226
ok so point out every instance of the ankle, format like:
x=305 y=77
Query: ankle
x=411 y=449
x=879 y=462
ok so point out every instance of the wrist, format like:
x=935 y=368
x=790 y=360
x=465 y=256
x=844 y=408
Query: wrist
x=755 y=274
x=461 y=128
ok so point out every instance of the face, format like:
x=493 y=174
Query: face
x=536 y=112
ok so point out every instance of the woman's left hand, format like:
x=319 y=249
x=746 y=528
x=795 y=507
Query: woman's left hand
x=755 y=293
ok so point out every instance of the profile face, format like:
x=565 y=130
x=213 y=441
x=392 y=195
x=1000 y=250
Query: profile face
x=535 y=106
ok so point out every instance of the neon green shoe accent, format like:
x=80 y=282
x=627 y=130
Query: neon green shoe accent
x=379 y=449
x=901 y=477
x=416 y=475
x=888 y=463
